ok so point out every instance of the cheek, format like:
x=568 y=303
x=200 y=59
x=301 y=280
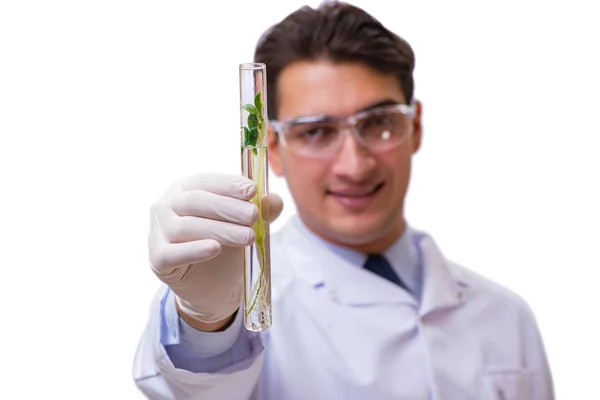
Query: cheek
x=398 y=166
x=305 y=178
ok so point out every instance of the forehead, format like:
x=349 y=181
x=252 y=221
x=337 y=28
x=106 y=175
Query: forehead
x=323 y=88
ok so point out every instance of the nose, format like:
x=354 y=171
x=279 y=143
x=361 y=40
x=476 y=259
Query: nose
x=353 y=160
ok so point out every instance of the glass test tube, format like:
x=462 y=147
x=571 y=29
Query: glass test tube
x=257 y=259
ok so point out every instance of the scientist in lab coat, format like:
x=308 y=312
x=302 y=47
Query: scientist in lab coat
x=365 y=306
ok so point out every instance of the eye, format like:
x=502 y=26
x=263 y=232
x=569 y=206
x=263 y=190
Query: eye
x=312 y=131
x=378 y=120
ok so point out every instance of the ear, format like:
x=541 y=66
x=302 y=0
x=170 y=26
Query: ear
x=417 y=127
x=274 y=156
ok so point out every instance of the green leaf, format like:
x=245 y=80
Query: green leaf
x=258 y=103
x=250 y=108
x=247 y=137
x=253 y=137
x=252 y=121
x=250 y=137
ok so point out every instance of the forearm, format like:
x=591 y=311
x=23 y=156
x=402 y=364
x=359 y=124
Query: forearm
x=208 y=349
x=173 y=356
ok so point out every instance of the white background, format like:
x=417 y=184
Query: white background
x=103 y=104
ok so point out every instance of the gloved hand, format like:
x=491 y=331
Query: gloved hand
x=196 y=241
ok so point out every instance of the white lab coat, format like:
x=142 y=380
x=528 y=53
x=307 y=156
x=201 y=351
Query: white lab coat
x=342 y=333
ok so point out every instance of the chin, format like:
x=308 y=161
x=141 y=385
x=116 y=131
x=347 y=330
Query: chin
x=358 y=230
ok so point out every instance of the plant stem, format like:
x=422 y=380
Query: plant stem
x=255 y=141
x=259 y=228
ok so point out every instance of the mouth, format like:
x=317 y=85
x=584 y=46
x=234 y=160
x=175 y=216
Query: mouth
x=356 y=199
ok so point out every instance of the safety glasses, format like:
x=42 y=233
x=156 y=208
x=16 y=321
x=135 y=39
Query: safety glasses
x=378 y=129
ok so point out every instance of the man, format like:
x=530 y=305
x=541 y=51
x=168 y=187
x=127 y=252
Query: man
x=364 y=305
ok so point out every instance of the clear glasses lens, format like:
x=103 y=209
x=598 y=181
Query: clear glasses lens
x=379 y=130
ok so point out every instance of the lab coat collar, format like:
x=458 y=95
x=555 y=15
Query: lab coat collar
x=336 y=271
x=341 y=276
x=443 y=283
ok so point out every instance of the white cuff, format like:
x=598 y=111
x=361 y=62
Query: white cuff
x=210 y=344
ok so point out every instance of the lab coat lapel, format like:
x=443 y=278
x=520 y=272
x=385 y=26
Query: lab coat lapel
x=442 y=284
x=355 y=286
x=343 y=279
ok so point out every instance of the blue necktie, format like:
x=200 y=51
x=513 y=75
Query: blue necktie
x=379 y=265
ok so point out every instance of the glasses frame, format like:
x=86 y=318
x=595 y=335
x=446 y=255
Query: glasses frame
x=345 y=126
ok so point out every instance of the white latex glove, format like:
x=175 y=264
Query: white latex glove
x=198 y=232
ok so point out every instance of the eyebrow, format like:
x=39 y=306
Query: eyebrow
x=325 y=117
x=382 y=103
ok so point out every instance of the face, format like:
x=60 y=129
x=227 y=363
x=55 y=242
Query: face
x=354 y=198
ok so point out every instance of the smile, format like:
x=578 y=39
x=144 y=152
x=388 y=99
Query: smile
x=356 y=193
x=356 y=200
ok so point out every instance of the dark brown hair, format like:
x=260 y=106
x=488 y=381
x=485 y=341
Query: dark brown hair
x=338 y=32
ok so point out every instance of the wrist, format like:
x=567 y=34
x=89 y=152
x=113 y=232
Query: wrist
x=213 y=326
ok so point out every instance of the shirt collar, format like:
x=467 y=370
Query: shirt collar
x=403 y=255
